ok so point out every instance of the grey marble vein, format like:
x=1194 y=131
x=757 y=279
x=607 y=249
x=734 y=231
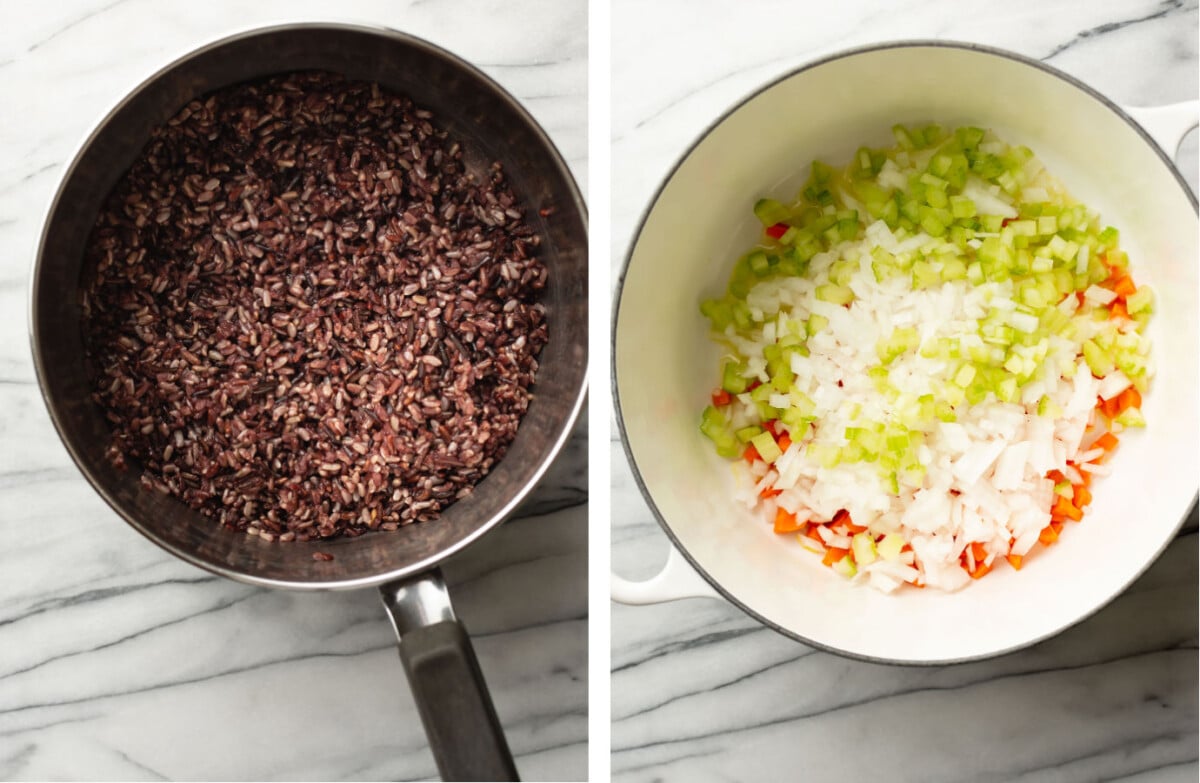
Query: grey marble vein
x=1165 y=9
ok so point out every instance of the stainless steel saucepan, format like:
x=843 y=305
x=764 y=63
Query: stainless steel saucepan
x=450 y=693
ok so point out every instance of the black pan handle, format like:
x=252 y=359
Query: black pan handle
x=452 y=698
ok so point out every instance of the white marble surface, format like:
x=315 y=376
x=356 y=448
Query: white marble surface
x=119 y=662
x=700 y=692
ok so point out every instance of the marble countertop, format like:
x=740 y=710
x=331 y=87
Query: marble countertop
x=118 y=661
x=700 y=692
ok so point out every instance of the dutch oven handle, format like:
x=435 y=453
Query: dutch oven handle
x=447 y=685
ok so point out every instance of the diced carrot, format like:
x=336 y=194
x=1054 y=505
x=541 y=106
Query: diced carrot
x=978 y=552
x=783 y=441
x=1124 y=286
x=833 y=554
x=721 y=398
x=750 y=454
x=1014 y=561
x=1048 y=535
x=906 y=548
x=1130 y=398
x=772 y=427
x=785 y=522
x=854 y=529
x=1081 y=497
x=980 y=571
x=1117 y=311
x=814 y=532
x=770 y=492
x=1107 y=441
x=1065 y=508
x=1110 y=407
x=842 y=515
x=1056 y=476
x=777 y=230
x=1057 y=524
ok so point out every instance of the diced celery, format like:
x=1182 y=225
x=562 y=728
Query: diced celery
x=1047 y=407
x=797 y=423
x=761 y=393
x=933 y=226
x=769 y=211
x=924 y=275
x=1099 y=362
x=816 y=323
x=991 y=223
x=1131 y=417
x=845 y=567
x=1006 y=390
x=835 y=294
x=1141 y=300
x=889 y=548
x=764 y=443
x=842 y=271
x=1024 y=228
x=714 y=426
x=962 y=207
x=732 y=379
x=954 y=269
x=964 y=376
x=718 y=311
x=745 y=434
x=863 y=547
x=969 y=137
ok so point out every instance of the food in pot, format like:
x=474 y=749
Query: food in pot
x=929 y=356
x=305 y=316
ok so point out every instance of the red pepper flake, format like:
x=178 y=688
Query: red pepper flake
x=754 y=384
x=721 y=398
x=777 y=230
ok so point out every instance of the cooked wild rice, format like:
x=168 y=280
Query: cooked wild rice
x=304 y=317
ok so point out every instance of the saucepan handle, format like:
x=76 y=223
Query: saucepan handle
x=676 y=580
x=1167 y=125
x=447 y=685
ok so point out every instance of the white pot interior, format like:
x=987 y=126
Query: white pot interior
x=666 y=367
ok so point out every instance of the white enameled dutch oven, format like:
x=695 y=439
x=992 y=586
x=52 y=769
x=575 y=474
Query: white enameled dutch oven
x=1115 y=160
